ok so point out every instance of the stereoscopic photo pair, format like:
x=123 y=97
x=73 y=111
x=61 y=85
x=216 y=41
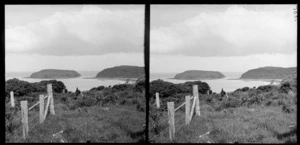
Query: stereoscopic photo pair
x=150 y=73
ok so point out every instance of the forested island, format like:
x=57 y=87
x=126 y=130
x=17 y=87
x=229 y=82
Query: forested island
x=199 y=75
x=270 y=73
x=124 y=71
x=55 y=73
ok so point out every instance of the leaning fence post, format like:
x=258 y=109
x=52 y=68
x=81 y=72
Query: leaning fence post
x=193 y=108
x=187 y=109
x=42 y=108
x=196 y=94
x=171 y=120
x=47 y=107
x=12 y=99
x=24 y=110
x=50 y=94
x=157 y=100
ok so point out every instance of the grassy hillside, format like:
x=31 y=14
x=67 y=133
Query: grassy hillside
x=266 y=114
x=115 y=114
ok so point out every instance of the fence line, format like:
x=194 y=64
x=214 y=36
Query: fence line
x=25 y=111
x=189 y=112
x=182 y=104
x=37 y=103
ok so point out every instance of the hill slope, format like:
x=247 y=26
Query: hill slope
x=199 y=74
x=270 y=73
x=124 y=71
x=55 y=73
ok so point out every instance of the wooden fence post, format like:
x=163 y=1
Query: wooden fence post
x=196 y=94
x=171 y=116
x=47 y=107
x=42 y=108
x=24 y=110
x=157 y=100
x=12 y=99
x=193 y=108
x=50 y=94
x=187 y=109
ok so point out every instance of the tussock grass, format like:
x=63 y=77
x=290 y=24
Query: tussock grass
x=263 y=115
x=257 y=124
x=110 y=124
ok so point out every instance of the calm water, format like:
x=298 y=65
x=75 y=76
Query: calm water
x=216 y=85
x=85 y=84
x=71 y=84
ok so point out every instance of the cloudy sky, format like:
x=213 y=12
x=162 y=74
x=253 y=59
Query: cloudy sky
x=226 y=38
x=77 y=37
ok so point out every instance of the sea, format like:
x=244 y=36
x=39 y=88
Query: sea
x=83 y=83
x=230 y=83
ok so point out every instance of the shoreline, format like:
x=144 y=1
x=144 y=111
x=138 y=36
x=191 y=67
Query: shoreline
x=122 y=79
x=51 y=78
x=264 y=80
x=194 y=79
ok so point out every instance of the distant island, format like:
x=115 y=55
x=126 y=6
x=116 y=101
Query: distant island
x=124 y=71
x=270 y=73
x=55 y=73
x=199 y=75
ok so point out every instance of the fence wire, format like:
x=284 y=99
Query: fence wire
x=162 y=136
x=15 y=134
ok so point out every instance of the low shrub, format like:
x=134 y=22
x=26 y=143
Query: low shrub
x=23 y=88
x=97 y=88
x=10 y=112
x=285 y=88
x=84 y=101
x=122 y=87
x=287 y=108
x=266 y=88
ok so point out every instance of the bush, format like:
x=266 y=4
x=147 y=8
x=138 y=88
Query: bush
x=140 y=86
x=203 y=87
x=77 y=92
x=85 y=102
x=245 y=89
x=141 y=106
x=9 y=115
x=266 y=88
x=57 y=86
x=287 y=108
x=232 y=103
x=208 y=100
x=285 y=88
x=23 y=88
x=228 y=103
x=167 y=89
x=97 y=88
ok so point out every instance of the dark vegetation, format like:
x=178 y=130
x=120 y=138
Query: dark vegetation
x=249 y=115
x=55 y=73
x=199 y=74
x=124 y=104
x=123 y=71
x=270 y=73
x=174 y=92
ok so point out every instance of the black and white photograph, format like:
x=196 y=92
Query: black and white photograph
x=150 y=73
x=74 y=73
x=223 y=74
